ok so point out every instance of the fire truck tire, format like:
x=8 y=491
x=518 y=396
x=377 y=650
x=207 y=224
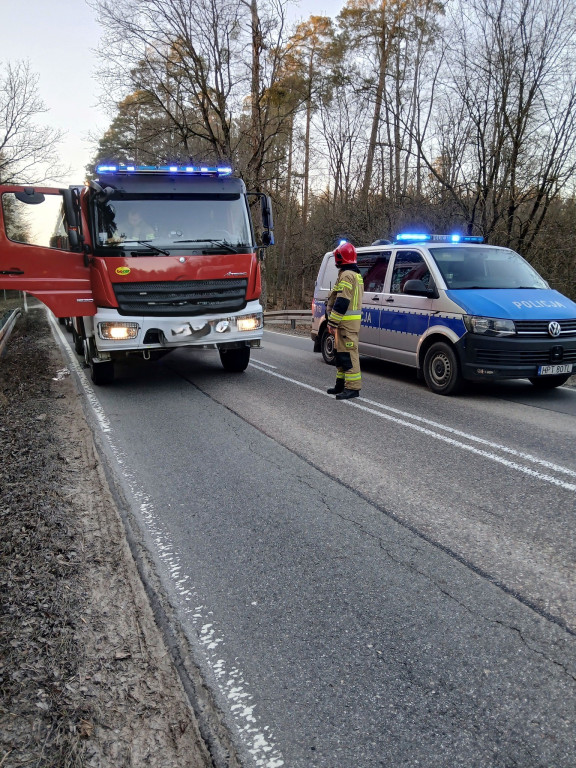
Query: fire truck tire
x=328 y=348
x=102 y=373
x=441 y=369
x=78 y=343
x=235 y=360
x=550 y=382
x=78 y=340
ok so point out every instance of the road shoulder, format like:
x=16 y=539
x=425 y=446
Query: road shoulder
x=86 y=677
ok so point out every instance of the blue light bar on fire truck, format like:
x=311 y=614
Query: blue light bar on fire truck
x=407 y=237
x=189 y=170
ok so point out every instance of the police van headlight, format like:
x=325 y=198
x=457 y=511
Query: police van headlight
x=118 y=331
x=489 y=326
x=249 y=322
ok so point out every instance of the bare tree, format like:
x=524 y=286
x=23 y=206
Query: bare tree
x=208 y=65
x=28 y=151
x=181 y=54
x=508 y=149
x=311 y=49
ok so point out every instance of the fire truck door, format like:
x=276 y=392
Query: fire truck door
x=41 y=248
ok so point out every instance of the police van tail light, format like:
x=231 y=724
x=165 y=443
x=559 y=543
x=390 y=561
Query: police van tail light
x=489 y=326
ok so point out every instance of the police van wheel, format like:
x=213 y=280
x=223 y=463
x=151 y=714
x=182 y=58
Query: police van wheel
x=235 y=360
x=550 y=382
x=441 y=371
x=328 y=348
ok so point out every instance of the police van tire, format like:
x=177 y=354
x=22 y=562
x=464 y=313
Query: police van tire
x=328 y=348
x=235 y=360
x=441 y=369
x=102 y=373
x=550 y=382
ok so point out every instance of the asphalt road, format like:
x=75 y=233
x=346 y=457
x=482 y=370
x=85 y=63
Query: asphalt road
x=383 y=582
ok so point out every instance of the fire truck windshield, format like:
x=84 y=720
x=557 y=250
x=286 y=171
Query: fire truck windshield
x=173 y=220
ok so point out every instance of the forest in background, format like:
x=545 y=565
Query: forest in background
x=454 y=116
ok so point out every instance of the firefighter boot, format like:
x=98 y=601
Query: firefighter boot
x=336 y=389
x=346 y=394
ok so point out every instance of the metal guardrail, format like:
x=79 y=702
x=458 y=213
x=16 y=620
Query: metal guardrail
x=288 y=315
x=7 y=323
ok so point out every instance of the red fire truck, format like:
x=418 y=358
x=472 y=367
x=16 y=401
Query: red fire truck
x=145 y=259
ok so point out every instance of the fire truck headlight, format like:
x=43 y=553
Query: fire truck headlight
x=249 y=322
x=118 y=331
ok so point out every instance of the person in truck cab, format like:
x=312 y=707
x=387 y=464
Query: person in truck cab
x=131 y=226
x=136 y=228
x=344 y=314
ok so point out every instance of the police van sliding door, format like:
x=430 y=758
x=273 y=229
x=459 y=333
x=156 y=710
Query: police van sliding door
x=404 y=318
x=373 y=299
x=36 y=255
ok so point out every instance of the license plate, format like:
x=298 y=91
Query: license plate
x=553 y=370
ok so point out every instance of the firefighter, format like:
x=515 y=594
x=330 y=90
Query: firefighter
x=344 y=312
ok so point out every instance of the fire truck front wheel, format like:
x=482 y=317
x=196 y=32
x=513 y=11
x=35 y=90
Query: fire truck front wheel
x=102 y=373
x=78 y=337
x=235 y=360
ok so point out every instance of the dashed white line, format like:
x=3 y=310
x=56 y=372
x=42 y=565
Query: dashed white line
x=401 y=418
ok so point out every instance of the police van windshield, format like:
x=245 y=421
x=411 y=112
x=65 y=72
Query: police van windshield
x=485 y=267
x=183 y=221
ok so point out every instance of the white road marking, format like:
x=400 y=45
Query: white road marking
x=260 y=362
x=402 y=417
x=258 y=739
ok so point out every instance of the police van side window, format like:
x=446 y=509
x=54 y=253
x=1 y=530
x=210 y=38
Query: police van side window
x=375 y=277
x=366 y=261
x=409 y=265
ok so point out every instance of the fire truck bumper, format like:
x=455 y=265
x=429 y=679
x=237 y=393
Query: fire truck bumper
x=118 y=333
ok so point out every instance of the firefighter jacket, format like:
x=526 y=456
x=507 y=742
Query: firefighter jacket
x=344 y=306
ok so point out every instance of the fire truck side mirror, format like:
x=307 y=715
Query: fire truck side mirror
x=73 y=224
x=29 y=196
x=267 y=220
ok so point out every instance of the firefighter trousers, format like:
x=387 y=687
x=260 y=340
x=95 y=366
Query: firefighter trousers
x=347 y=357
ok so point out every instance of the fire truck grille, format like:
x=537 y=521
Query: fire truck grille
x=190 y=297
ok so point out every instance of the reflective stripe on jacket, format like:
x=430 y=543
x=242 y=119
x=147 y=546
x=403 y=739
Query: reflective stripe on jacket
x=346 y=296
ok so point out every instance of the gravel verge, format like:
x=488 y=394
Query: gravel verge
x=85 y=678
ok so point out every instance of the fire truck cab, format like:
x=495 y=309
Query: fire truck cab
x=145 y=259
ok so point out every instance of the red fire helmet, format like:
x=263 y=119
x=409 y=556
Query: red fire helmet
x=345 y=254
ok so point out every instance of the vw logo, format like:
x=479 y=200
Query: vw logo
x=554 y=329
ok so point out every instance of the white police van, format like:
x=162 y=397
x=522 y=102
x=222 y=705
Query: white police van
x=455 y=309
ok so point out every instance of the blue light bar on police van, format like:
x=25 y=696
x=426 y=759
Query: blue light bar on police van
x=412 y=237
x=184 y=170
x=407 y=237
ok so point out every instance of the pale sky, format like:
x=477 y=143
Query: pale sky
x=61 y=39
